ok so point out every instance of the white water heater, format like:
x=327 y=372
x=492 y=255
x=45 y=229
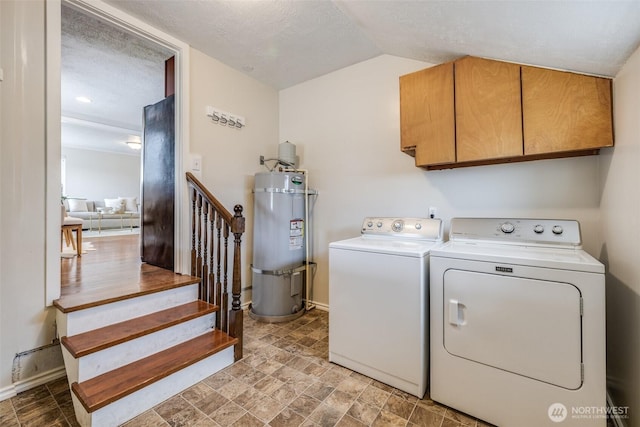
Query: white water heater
x=279 y=255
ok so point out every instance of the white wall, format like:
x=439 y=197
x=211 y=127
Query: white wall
x=346 y=128
x=98 y=175
x=25 y=323
x=230 y=157
x=620 y=179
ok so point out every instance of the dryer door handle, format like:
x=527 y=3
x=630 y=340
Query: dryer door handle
x=456 y=314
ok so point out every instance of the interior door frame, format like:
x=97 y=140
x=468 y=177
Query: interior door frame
x=116 y=17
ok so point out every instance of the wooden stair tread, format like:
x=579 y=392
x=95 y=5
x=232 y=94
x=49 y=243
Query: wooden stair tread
x=109 y=336
x=121 y=284
x=107 y=388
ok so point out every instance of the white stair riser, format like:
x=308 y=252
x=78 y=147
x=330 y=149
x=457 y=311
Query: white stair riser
x=142 y=400
x=77 y=322
x=111 y=358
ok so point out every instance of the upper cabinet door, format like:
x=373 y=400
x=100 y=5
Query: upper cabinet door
x=427 y=115
x=565 y=111
x=488 y=109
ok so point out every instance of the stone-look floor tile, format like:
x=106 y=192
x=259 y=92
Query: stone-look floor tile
x=405 y=396
x=421 y=416
x=363 y=412
x=332 y=377
x=399 y=406
x=187 y=417
x=147 y=419
x=233 y=389
x=251 y=377
x=388 y=419
x=8 y=416
x=319 y=390
x=206 y=422
x=326 y=416
x=315 y=370
x=228 y=414
x=460 y=417
x=383 y=386
x=480 y=423
x=340 y=400
x=211 y=403
x=298 y=363
x=269 y=367
x=266 y=409
x=448 y=422
x=45 y=408
x=304 y=405
x=249 y=398
x=374 y=396
x=432 y=406
x=286 y=374
x=287 y=418
x=248 y=420
x=268 y=385
x=30 y=396
x=197 y=392
x=285 y=394
x=352 y=386
x=238 y=369
x=348 y=421
x=307 y=341
x=58 y=387
x=171 y=406
x=218 y=380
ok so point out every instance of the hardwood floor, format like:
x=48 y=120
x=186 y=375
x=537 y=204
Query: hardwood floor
x=113 y=271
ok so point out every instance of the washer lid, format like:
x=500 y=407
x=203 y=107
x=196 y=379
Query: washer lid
x=386 y=245
x=534 y=256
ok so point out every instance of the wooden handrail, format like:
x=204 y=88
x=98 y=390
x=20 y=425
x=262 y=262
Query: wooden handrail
x=211 y=224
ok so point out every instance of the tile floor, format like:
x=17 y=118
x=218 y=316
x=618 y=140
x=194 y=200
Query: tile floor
x=283 y=380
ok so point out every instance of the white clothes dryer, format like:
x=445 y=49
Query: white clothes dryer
x=378 y=301
x=518 y=323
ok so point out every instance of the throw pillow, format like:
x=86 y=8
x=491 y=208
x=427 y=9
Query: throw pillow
x=130 y=203
x=116 y=204
x=77 y=205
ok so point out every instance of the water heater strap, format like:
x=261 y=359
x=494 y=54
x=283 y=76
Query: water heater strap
x=279 y=272
x=278 y=190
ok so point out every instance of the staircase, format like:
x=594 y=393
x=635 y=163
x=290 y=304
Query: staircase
x=125 y=356
x=154 y=333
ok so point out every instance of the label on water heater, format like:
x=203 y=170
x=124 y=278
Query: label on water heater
x=296 y=234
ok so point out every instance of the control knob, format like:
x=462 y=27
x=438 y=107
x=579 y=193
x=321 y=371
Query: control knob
x=507 y=228
x=379 y=224
x=557 y=229
x=538 y=229
x=397 y=225
x=370 y=224
x=418 y=226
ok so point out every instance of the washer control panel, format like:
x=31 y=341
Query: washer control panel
x=421 y=228
x=551 y=232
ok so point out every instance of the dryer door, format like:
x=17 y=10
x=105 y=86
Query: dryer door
x=525 y=326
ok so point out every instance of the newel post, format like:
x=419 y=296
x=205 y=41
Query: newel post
x=235 y=315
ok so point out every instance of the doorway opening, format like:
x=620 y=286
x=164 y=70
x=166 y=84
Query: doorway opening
x=111 y=117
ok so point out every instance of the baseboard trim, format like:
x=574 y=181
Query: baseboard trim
x=29 y=383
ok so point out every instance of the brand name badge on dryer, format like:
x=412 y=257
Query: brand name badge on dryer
x=504 y=269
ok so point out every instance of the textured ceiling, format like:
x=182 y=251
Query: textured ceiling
x=286 y=42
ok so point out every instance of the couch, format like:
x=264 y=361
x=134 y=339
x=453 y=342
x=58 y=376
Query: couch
x=121 y=212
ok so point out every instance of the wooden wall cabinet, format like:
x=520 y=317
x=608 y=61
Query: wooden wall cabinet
x=427 y=115
x=476 y=111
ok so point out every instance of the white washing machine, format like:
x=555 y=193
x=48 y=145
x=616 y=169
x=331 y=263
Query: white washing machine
x=378 y=301
x=518 y=323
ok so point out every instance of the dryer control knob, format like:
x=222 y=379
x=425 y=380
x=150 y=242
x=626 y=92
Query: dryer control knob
x=557 y=229
x=379 y=224
x=418 y=226
x=370 y=224
x=538 y=229
x=507 y=228
x=397 y=225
